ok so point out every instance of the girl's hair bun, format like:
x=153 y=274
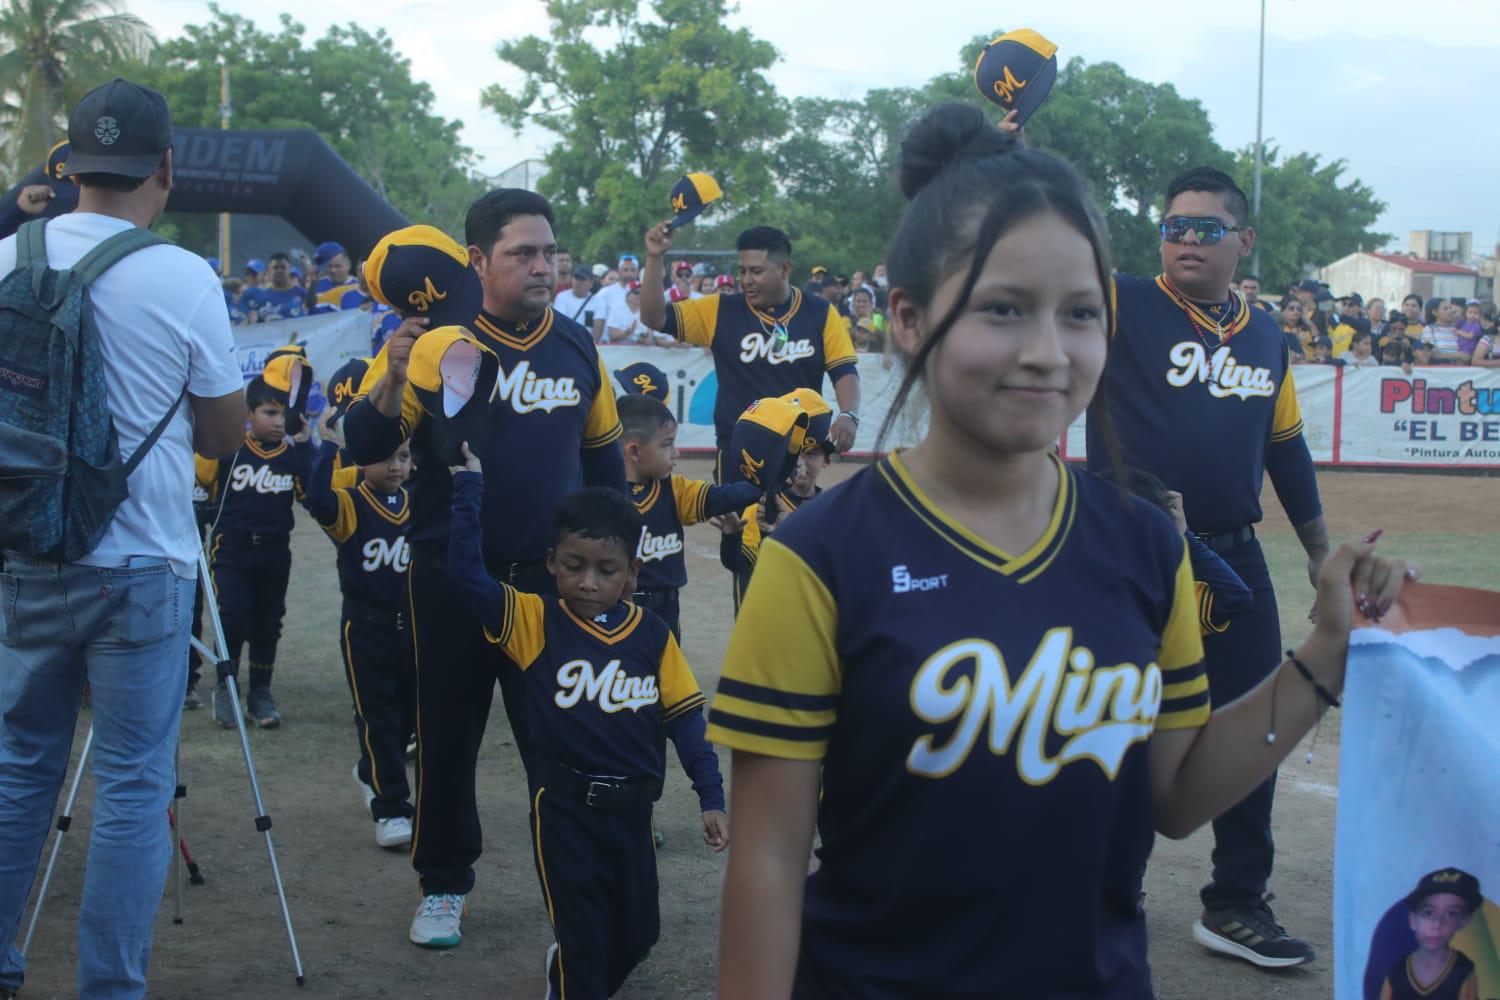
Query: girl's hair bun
x=948 y=134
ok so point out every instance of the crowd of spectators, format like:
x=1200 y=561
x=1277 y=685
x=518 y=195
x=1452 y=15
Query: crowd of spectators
x=1346 y=331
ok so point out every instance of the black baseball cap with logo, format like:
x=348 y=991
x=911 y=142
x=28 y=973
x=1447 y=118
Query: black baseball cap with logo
x=118 y=128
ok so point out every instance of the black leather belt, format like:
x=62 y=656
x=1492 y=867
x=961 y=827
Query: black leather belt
x=1226 y=540
x=595 y=790
x=654 y=600
x=257 y=538
x=374 y=614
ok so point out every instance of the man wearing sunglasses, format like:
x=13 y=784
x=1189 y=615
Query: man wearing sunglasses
x=1200 y=394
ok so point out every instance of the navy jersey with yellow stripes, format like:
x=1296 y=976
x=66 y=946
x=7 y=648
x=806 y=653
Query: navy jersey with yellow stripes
x=552 y=402
x=369 y=530
x=600 y=691
x=254 y=490
x=751 y=360
x=666 y=506
x=1198 y=408
x=983 y=721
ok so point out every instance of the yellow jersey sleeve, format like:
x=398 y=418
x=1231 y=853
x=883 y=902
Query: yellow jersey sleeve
x=1184 y=694
x=678 y=688
x=522 y=633
x=838 y=346
x=411 y=410
x=603 y=424
x=1287 y=421
x=778 y=695
x=693 y=321
x=1206 y=623
x=345 y=521
x=344 y=476
x=206 y=474
x=750 y=538
x=691 y=496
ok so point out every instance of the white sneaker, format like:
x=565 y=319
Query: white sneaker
x=436 y=924
x=547 y=971
x=364 y=789
x=393 y=831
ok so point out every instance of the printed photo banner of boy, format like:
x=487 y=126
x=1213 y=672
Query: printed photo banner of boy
x=1417 y=872
x=329 y=338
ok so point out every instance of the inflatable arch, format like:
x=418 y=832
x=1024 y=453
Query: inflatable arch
x=292 y=173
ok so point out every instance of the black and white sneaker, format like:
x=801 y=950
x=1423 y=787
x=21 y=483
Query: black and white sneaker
x=1251 y=933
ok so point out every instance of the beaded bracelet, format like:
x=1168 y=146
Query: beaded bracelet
x=1321 y=692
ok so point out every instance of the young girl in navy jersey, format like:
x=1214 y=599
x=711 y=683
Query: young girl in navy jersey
x=973 y=669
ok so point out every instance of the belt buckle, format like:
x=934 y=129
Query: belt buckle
x=594 y=790
x=400 y=621
x=254 y=538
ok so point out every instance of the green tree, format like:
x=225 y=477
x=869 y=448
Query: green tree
x=351 y=85
x=52 y=52
x=678 y=91
x=1308 y=216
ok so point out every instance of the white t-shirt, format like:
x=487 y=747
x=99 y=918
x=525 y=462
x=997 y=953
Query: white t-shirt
x=1351 y=360
x=162 y=327
x=572 y=305
x=607 y=298
x=621 y=318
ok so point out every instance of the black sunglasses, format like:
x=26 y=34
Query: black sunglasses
x=1208 y=230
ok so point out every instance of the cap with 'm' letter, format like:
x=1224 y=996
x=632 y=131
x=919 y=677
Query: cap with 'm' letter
x=645 y=379
x=422 y=271
x=344 y=384
x=768 y=438
x=57 y=158
x=691 y=195
x=1016 y=71
x=453 y=376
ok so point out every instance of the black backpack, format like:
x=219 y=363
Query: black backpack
x=61 y=478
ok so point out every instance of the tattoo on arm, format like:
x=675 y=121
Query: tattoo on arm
x=1314 y=536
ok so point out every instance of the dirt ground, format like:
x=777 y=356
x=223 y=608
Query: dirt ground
x=351 y=901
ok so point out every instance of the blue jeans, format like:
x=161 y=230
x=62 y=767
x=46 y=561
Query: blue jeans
x=124 y=631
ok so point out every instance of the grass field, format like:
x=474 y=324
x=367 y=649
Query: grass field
x=352 y=901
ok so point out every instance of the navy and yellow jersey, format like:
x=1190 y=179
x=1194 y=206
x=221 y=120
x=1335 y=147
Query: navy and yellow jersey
x=552 y=406
x=599 y=691
x=948 y=687
x=666 y=507
x=1198 y=410
x=751 y=360
x=1220 y=591
x=369 y=530
x=1458 y=981
x=1264 y=306
x=254 y=491
x=738 y=552
x=328 y=297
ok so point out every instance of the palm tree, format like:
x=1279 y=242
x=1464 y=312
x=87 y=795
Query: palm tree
x=52 y=52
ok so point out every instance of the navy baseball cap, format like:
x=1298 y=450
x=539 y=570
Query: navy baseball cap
x=118 y=128
x=1453 y=881
x=326 y=252
x=691 y=195
x=344 y=385
x=644 y=379
x=453 y=376
x=583 y=271
x=1016 y=71
x=819 y=415
x=422 y=271
x=768 y=438
x=57 y=156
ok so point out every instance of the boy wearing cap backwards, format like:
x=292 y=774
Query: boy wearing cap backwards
x=367 y=523
x=667 y=503
x=250 y=555
x=1439 y=907
x=606 y=683
x=554 y=414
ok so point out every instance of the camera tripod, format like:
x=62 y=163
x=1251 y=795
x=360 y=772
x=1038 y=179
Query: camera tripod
x=183 y=858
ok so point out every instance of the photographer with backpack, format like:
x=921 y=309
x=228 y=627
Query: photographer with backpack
x=104 y=329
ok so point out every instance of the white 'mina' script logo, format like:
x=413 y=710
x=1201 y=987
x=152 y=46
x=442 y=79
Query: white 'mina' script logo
x=1101 y=710
x=526 y=392
x=657 y=546
x=763 y=345
x=611 y=688
x=1223 y=375
x=378 y=552
x=261 y=480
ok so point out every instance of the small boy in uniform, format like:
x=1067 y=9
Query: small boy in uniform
x=1439 y=907
x=250 y=555
x=606 y=684
x=742 y=534
x=666 y=502
x=367 y=522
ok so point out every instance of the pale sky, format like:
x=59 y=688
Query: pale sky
x=1407 y=93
